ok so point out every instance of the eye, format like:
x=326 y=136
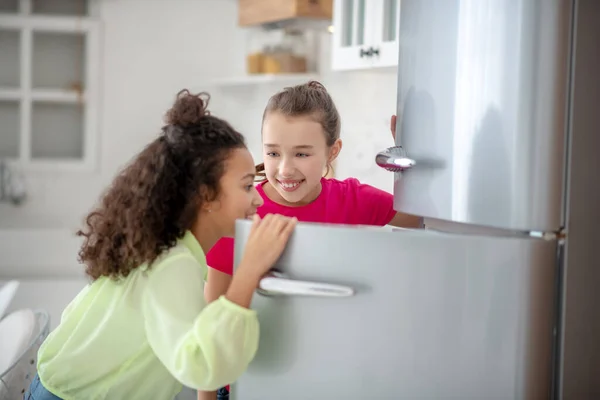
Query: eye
x=249 y=188
x=301 y=155
x=272 y=154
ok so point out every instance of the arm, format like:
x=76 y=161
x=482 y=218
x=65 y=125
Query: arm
x=216 y=284
x=377 y=207
x=219 y=278
x=207 y=395
x=220 y=260
x=203 y=346
x=400 y=219
x=406 y=221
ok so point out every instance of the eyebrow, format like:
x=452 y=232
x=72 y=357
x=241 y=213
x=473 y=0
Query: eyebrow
x=302 y=146
x=250 y=175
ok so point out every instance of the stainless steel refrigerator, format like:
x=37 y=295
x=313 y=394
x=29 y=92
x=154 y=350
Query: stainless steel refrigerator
x=498 y=135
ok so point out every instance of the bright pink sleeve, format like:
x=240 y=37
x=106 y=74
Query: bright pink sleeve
x=374 y=206
x=220 y=256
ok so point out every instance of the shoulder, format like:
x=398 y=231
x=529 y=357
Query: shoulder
x=337 y=185
x=363 y=200
x=178 y=254
x=353 y=186
x=175 y=266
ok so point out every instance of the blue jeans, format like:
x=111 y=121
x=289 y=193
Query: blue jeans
x=222 y=394
x=37 y=391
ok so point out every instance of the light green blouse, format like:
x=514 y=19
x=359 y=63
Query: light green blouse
x=145 y=335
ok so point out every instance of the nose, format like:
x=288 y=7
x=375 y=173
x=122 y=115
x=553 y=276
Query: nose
x=286 y=168
x=257 y=199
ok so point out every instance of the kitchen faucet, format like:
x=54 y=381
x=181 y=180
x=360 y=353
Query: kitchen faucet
x=12 y=188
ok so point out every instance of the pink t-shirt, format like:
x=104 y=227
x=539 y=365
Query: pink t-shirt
x=340 y=202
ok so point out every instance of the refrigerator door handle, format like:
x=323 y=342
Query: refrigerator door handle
x=394 y=159
x=277 y=283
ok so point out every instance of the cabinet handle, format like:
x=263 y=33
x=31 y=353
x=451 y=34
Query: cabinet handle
x=366 y=53
x=370 y=52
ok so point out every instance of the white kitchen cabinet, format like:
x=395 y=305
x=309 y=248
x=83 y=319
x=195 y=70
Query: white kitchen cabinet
x=365 y=34
x=49 y=84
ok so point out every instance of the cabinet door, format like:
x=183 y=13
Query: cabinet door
x=352 y=35
x=386 y=28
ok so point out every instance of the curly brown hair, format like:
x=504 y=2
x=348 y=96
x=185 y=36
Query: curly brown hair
x=156 y=198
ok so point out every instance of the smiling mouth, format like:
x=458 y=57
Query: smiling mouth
x=290 y=186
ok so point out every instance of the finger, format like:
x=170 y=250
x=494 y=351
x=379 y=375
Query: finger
x=279 y=224
x=288 y=228
x=255 y=222
x=270 y=218
x=266 y=223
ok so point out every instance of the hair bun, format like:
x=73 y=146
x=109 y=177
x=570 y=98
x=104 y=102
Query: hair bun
x=188 y=109
x=316 y=85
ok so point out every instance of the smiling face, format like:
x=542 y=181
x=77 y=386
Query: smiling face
x=295 y=155
x=238 y=197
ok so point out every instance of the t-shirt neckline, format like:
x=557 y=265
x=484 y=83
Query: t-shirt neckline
x=266 y=198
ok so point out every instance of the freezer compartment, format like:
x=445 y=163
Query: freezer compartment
x=432 y=316
x=482 y=102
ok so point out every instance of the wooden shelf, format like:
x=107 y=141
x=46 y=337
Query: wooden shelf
x=247 y=80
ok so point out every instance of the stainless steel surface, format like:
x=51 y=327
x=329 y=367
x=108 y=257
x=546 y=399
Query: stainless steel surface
x=435 y=316
x=482 y=90
x=279 y=284
x=580 y=368
x=394 y=159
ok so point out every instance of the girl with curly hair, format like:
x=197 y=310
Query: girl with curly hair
x=142 y=327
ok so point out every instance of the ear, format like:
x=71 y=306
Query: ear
x=334 y=150
x=209 y=201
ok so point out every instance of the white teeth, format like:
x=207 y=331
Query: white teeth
x=289 y=185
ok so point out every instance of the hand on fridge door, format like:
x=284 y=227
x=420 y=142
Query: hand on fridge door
x=402 y=220
x=266 y=242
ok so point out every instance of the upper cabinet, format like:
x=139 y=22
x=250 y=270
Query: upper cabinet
x=49 y=83
x=365 y=34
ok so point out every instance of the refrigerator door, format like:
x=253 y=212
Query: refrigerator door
x=413 y=314
x=482 y=101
